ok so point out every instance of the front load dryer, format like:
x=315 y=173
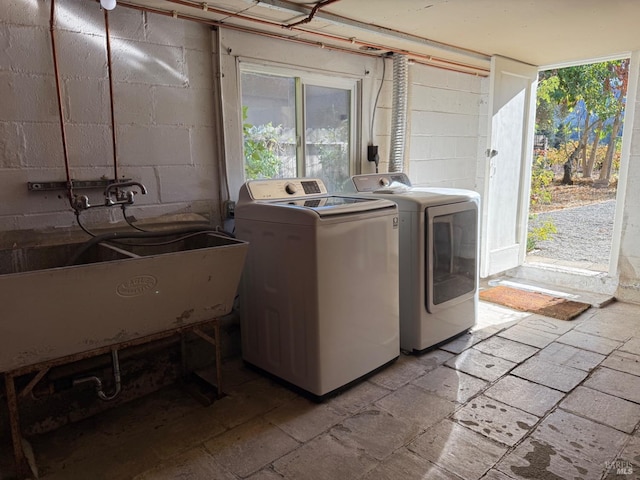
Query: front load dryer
x=439 y=232
x=319 y=298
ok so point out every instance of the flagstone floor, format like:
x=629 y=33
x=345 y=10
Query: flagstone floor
x=520 y=397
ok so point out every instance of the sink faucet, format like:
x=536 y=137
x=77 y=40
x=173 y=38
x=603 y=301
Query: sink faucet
x=124 y=197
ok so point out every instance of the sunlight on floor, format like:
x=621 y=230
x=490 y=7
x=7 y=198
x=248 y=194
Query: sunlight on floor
x=490 y=315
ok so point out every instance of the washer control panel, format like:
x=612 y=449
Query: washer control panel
x=285 y=188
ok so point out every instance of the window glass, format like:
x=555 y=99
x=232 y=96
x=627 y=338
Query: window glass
x=297 y=127
x=453 y=258
x=269 y=126
x=327 y=130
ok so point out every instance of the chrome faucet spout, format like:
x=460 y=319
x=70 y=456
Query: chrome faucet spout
x=122 y=197
x=112 y=186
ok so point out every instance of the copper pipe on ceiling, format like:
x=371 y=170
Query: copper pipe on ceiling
x=377 y=49
x=216 y=23
x=289 y=6
x=60 y=107
x=426 y=59
x=314 y=10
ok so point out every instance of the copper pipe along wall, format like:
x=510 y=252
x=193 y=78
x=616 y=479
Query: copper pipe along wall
x=223 y=192
x=60 y=108
x=113 y=118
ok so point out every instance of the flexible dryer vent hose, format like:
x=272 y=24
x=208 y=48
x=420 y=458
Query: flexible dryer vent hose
x=399 y=112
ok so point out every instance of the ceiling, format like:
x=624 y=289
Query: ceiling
x=458 y=34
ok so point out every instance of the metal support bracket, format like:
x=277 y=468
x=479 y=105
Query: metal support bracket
x=75 y=184
x=25 y=465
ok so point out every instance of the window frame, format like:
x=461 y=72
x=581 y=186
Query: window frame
x=303 y=78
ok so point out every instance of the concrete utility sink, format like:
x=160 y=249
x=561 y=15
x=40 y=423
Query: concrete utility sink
x=111 y=293
x=20 y=260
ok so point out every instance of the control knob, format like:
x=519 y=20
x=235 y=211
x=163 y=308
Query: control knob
x=384 y=182
x=290 y=188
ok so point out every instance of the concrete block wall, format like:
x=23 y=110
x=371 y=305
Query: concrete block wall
x=164 y=107
x=483 y=137
x=382 y=118
x=447 y=111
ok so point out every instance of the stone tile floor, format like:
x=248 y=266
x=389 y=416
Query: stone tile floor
x=520 y=397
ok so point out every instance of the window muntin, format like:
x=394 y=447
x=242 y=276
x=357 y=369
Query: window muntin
x=327 y=127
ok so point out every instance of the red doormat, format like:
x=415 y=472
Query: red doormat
x=534 y=302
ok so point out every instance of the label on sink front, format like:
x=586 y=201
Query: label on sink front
x=136 y=286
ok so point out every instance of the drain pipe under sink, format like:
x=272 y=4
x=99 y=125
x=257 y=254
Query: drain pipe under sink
x=98 y=382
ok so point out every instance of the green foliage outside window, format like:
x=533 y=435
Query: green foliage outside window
x=332 y=150
x=261 y=149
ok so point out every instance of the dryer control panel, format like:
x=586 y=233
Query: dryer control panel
x=378 y=182
x=283 y=188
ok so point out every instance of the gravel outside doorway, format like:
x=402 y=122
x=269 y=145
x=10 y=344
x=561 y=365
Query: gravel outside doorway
x=584 y=233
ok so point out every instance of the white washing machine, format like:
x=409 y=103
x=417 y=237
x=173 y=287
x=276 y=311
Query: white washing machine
x=319 y=297
x=439 y=249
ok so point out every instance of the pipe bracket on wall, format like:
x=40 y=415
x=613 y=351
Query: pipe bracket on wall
x=76 y=184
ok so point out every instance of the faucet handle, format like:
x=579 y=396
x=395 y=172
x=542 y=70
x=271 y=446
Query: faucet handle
x=122 y=197
x=81 y=202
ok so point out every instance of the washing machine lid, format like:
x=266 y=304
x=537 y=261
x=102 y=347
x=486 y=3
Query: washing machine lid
x=292 y=199
x=397 y=187
x=328 y=205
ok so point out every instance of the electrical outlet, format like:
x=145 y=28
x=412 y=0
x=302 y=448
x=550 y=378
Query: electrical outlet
x=372 y=153
x=230 y=208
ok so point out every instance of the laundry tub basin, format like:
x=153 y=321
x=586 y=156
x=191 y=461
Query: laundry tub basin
x=67 y=299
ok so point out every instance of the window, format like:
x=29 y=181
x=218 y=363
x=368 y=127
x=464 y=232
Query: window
x=299 y=125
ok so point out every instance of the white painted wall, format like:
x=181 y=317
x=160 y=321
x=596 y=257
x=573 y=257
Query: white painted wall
x=164 y=111
x=627 y=224
x=237 y=47
x=446 y=108
x=447 y=127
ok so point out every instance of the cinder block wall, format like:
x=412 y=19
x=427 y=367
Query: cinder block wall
x=166 y=131
x=163 y=105
x=447 y=121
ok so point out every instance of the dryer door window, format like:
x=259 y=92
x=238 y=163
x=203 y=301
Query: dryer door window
x=451 y=270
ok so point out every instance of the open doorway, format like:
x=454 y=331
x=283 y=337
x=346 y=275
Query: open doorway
x=576 y=161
